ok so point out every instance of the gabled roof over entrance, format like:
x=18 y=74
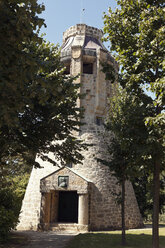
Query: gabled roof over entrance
x=64 y=179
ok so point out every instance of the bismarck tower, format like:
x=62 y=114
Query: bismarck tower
x=79 y=197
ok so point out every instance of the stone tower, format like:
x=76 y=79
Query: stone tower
x=79 y=197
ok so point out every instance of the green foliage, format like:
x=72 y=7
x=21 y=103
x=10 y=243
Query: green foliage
x=39 y=112
x=11 y=199
x=18 y=185
x=38 y=100
x=144 y=194
x=14 y=178
x=9 y=211
x=125 y=137
x=136 y=32
x=125 y=141
x=110 y=73
x=19 y=21
x=128 y=134
x=50 y=112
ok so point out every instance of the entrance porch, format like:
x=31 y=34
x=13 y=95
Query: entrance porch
x=64 y=207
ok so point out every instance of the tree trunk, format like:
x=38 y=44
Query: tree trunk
x=156 y=192
x=123 y=213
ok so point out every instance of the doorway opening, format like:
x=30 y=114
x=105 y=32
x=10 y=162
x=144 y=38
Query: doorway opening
x=68 y=207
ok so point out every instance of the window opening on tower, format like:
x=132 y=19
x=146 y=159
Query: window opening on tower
x=88 y=68
x=99 y=121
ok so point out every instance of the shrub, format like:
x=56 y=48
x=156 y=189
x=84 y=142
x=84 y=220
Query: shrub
x=9 y=211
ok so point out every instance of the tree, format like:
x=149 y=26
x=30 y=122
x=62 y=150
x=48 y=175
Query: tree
x=14 y=179
x=38 y=101
x=39 y=112
x=125 y=135
x=9 y=211
x=136 y=33
x=118 y=166
x=19 y=22
x=142 y=185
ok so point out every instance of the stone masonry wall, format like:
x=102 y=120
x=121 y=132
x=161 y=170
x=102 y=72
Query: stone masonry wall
x=82 y=29
x=30 y=210
x=105 y=213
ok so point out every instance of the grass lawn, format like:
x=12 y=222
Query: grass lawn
x=135 y=239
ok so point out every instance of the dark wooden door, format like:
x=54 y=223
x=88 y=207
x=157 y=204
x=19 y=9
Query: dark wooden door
x=68 y=207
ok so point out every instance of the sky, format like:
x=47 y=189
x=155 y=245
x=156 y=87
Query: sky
x=59 y=15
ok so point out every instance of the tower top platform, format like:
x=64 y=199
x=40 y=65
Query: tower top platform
x=84 y=30
x=85 y=37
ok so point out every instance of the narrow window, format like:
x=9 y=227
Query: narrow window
x=67 y=70
x=99 y=121
x=88 y=68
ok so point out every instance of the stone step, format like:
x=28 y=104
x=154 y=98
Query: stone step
x=68 y=227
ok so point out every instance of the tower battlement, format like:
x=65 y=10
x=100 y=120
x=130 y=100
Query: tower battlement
x=83 y=29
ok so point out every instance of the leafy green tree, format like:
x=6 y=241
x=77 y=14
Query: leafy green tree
x=14 y=179
x=9 y=211
x=19 y=23
x=142 y=185
x=38 y=101
x=39 y=112
x=136 y=33
x=125 y=141
x=118 y=166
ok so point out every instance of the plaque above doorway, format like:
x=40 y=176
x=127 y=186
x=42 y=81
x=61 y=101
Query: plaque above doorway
x=63 y=181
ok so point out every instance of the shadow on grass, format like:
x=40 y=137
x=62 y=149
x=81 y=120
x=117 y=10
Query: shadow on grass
x=100 y=240
x=161 y=225
x=15 y=240
x=150 y=225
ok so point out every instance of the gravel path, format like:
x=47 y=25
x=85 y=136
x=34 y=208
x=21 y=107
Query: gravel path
x=47 y=239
